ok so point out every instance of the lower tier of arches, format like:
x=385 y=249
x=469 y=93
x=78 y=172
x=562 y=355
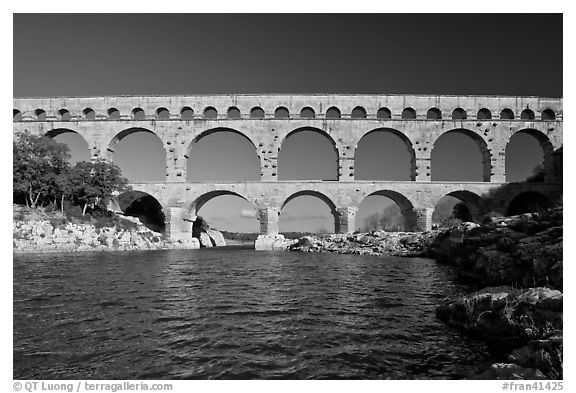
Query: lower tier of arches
x=178 y=204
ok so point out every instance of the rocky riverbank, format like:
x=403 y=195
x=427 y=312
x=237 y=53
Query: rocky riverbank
x=521 y=251
x=35 y=231
x=523 y=256
x=527 y=323
x=373 y=243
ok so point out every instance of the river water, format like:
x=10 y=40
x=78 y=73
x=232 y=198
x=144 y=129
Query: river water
x=236 y=314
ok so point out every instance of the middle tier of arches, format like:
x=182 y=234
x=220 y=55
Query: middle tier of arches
x=266 y=140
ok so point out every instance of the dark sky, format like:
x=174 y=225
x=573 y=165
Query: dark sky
x=137 y=54
x=115 y=54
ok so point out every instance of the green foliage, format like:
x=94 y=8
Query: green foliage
x=37 y=162
x=93 y=184
x=42 y=175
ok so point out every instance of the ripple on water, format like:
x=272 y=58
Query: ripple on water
x=237 y=314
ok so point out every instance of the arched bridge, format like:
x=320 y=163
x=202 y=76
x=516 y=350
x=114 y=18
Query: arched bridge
x=267 y=120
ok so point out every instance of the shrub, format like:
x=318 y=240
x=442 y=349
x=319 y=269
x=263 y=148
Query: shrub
x=57 y=222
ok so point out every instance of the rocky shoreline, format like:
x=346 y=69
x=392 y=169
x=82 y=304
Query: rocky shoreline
x=374 y=243
x=520 y=260
x=40 y=232
x=517 y=259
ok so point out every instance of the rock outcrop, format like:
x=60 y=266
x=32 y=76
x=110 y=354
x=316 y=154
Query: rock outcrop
x=207 y=237
x=523 y=251
x=216 y=237
x=529 y=321
x=273 y=242
x=372 y=243
x=42 y=236
x=507 y=315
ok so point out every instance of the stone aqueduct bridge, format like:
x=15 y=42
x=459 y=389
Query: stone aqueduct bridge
x=267 y=120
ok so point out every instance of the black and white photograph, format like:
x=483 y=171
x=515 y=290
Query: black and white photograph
x=287 y=196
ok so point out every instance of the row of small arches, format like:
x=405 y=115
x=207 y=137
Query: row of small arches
x=187 y=113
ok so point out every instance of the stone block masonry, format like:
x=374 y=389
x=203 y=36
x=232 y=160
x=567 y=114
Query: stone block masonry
x=419 y=120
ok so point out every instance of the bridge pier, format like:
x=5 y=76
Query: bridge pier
x=422 y=169
x=498 y=166
x=424 y=218
x=345 y=218
x=269 y=217
x=178 y=224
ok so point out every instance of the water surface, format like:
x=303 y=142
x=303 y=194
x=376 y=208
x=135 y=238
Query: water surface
x=235 y=314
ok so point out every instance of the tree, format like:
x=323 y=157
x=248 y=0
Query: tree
x=93 y=184
x=37 y=161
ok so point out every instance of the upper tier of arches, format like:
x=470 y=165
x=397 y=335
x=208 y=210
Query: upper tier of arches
x=288 y=107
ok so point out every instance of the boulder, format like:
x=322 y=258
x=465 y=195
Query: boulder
x=217 y=237
x=506 y=315
x=205 y=240
x=523 y=250
x=272 y=242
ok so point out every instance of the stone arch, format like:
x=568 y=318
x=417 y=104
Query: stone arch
x=196 y=204
x=459 y=114
x=333 y=113
x=121 y=135
x=528 y=202
x=233 y=113
x=403 y=137
x=358 y=113
x=313 y=129
x=383 y=113
x=210 y=113
x=527 y=114
x=113 y=144
x=482 y=146
x=405 y=205
x=257 y=113
x=88 y=114
x=162 y=113
x=40 y=114
x=307 y=113
x=484 y=114
x=548 y=115
x=113 y=114
x=547 y=149
x=434 y=114
x=506 y=114
x=473 y=202
x=187 y=113
x=316 y=194
x=64 y=115
x=138 y=114
x=143 y=206
x=59 y=131
x=212 y=131
x=409 y=113
x=281 y=113
x=17 y=115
